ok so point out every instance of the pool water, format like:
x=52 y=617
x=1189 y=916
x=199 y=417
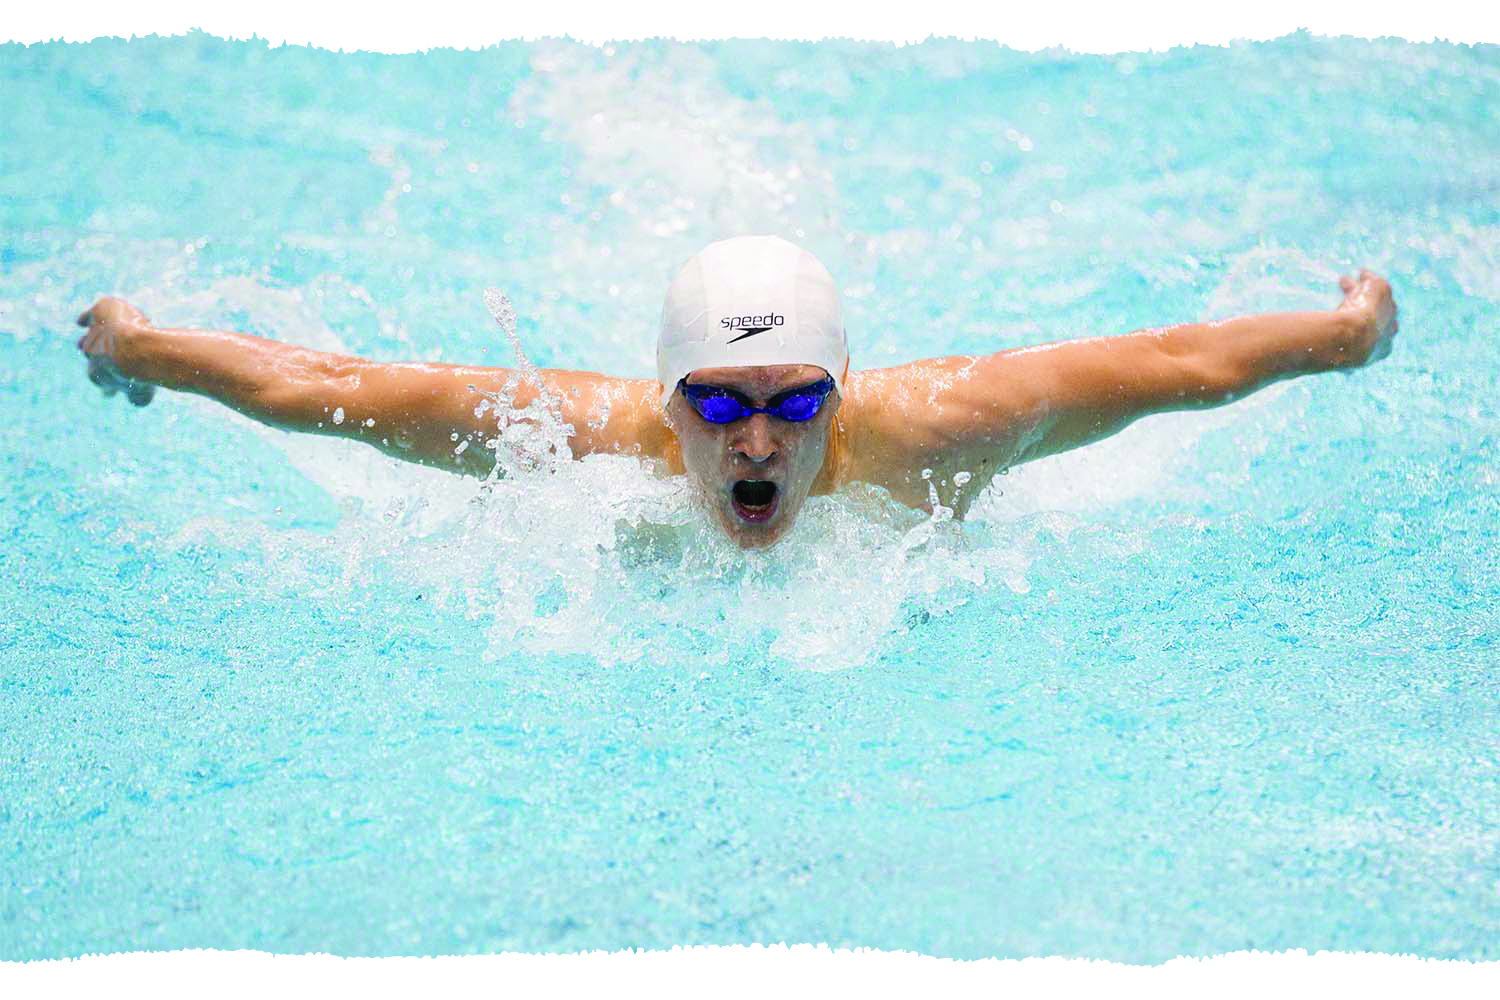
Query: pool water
x=1227 y=680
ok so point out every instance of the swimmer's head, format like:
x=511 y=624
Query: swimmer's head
x=753 y=322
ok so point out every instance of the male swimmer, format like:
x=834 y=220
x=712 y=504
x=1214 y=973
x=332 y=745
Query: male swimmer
x=754 y=401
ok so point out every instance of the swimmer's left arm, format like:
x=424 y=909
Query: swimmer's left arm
x=968 y=417
x=1082 y=391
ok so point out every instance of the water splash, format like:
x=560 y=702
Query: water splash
x=498 y=303
x=532 y=437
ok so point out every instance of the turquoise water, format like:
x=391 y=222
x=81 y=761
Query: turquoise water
x=1225 y=681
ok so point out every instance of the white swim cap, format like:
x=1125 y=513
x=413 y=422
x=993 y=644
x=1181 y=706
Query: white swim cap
x=751 y=300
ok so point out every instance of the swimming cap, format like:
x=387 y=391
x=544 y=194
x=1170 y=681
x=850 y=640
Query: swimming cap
x=751 y=300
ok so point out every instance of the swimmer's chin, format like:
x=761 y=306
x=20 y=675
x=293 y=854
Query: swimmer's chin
x=757 y=539
x=749 y=535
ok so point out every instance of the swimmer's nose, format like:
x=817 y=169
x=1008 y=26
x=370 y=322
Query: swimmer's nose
x=753 y=440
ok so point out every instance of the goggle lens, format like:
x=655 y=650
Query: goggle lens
x=800 y=406
x=725 y=406
x=718 y=409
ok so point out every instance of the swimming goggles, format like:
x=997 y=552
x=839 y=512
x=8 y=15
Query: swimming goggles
x=718 y=405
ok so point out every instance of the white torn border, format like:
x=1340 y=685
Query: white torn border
x=746 y=971
x=1093 y=26
x=1080 y=25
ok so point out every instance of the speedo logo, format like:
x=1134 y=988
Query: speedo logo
x=751 y=325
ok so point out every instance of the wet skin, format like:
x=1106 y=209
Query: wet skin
x=759 y=447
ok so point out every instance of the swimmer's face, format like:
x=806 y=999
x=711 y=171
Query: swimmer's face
x=756 y=472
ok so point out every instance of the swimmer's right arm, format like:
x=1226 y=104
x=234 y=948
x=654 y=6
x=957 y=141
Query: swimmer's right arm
x=435 y=414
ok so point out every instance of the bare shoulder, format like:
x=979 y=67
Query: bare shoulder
x=611 y=414
x=922 y=424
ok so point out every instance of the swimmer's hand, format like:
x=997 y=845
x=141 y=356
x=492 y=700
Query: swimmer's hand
x=1369 y=299
x=113 y=325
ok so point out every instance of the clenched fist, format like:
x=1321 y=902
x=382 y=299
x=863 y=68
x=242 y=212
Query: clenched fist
x=113 y=325
x=1370 y=298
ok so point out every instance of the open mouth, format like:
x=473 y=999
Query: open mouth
x=754 y=499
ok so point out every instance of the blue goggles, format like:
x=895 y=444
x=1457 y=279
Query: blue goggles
x=719 y=405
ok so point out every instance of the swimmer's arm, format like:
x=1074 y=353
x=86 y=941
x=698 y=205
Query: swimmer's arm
x=1061 y=396
x=449 y=416
x=435 y=414
x=970 y=417
x=1081 y=391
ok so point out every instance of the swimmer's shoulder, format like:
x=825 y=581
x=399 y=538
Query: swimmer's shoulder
x=901 y=420
x=612 y=415
x=896 y=407
x=868 y=434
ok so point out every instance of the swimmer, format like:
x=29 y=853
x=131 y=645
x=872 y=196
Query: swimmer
x=754 y=401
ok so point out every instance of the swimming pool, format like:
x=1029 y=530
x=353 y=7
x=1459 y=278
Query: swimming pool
x=1225 y=681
